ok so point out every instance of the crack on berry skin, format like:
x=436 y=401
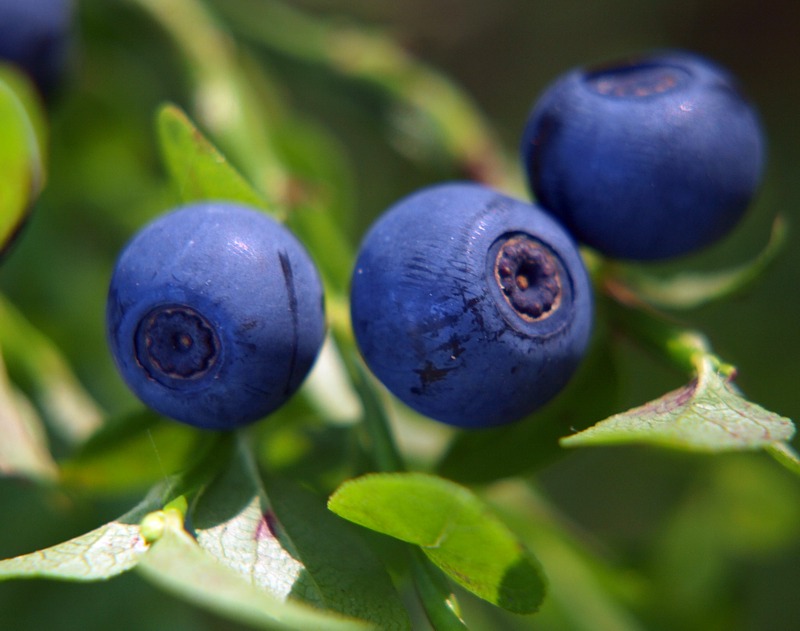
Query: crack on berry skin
x=429 y=374
x=176 y=342
x=635 y=80
x=529 y=278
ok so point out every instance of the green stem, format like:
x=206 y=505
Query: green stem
x=683 y=348
x=376 y=420
x=435 y=594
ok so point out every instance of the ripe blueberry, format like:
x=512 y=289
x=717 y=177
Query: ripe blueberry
x=215 y=315
x=645 y=159
x=472 y=307
x=34 y=36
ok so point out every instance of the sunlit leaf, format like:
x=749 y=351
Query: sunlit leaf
x=282 y=540
x=452 y=527
x=177 y=563
x=233 y=523
x=100 y=554
x=199 y=170
x=31 y=100
x=21 y=169
x=707 y=415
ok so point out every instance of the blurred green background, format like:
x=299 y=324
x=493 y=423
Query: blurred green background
x=728 y=553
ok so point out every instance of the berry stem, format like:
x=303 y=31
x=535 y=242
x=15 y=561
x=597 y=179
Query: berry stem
x=684 y=348
x=376 y=422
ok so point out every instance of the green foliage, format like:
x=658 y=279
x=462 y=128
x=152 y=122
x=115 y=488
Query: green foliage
x=236 y=523
x=453 y=528
x=109 y=550
x=21 y=161
x=708 y=414
x=689 y=290
x=176 y=563
x=198 y=170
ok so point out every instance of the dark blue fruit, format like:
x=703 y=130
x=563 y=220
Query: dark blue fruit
x=645 y=159
x=472 y=307
x=34 y=35
x=215 y=315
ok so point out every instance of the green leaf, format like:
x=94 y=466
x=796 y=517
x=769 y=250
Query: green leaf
x=235 y=107
x=707 y=415
x=336 y=560
x=786 y=455
x=297 y=171
x=176 y=563
x=21 y=167
x=100 y=554
x=453 y=528
x=23 y=447
x=31 y=100
x=199 y=170
x=284 y=541
x=36 y=363
x=689 y=290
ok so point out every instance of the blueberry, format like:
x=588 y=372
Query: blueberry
x=471 y=307
x=215 y=314
x=34 y=35
x=645 y=159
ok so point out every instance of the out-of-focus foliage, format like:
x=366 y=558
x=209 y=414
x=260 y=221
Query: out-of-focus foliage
x=339 y=108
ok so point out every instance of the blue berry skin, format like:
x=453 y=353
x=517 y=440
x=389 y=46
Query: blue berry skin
x=34 y=35
x=215 y=315
x=471 y=307
x=645 y=159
